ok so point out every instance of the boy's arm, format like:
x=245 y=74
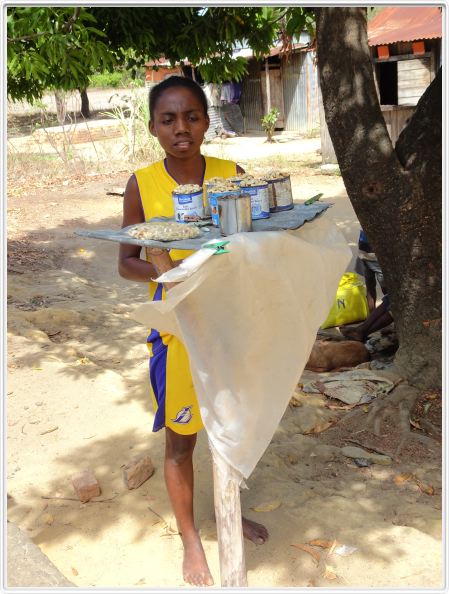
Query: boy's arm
x=130 y=264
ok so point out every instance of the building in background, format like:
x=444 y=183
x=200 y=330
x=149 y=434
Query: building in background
x=405 y=43
x=286 y=81
x=405 y=46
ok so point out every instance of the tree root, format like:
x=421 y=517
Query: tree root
x=430 y=427
x=398 y=405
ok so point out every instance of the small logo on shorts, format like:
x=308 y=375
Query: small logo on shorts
x=183 y=416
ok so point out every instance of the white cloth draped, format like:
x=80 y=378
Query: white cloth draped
x=249 y=319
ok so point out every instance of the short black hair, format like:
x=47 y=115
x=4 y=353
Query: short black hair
x=176 y=81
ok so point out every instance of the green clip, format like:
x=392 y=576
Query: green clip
x=219 y=247
x=313 y=199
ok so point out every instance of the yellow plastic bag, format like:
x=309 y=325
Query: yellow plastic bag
x=350 y=302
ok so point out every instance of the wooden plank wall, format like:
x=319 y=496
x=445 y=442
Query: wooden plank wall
x=327 y=148
x=414 y=77
x=396 y=119
x=276 y=92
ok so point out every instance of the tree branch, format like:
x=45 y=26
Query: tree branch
x=27 y=37
x=67 y=26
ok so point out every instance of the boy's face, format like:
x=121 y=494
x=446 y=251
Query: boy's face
x=179 y=122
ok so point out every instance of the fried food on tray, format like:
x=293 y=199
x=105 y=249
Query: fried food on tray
x=164 y=231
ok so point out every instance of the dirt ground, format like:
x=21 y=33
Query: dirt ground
x=77 y=397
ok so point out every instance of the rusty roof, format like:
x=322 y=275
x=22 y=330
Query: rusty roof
x=404 y=23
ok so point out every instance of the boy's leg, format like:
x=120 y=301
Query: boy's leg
x=179 y=480
x=377 y=320
x=370 y=283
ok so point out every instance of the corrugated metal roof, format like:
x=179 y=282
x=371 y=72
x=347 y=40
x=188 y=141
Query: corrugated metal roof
x=275 y=51
x=163 y=63
x=404 y=23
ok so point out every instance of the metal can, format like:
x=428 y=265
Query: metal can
x=213 y=201
x=280 y=194
x=208 y=185
x=188 y=204
x=260 y=202
x=240 y=178
x=234 y=213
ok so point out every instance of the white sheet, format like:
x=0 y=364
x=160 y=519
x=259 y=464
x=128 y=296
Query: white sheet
x=249 y=320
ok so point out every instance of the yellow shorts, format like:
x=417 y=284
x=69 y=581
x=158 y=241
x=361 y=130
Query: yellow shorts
x=173 y=394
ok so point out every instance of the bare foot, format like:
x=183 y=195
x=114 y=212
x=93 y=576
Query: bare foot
x=352 y=334
x=256 y=533
x=194 y=567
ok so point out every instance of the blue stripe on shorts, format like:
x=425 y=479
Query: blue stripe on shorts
x=158 y=367
x=158 y=378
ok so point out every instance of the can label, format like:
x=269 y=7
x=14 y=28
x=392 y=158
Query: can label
x=280 y=192
x=188 y=204
x=260 y=201
x=213 y=202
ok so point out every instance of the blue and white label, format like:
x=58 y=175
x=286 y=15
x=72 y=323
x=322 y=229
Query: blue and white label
x=188 y=204
x=185 y=200
x=260 y=201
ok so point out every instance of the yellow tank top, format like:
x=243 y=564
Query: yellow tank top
x=155 y=188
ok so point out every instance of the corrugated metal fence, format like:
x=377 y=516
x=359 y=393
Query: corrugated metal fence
x=299 y=80
x=300 y=89
x=251 y=102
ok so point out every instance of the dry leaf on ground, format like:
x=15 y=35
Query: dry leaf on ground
x=319 y=427
x=308 y=549
x=399 y=479
x=427 y=489
x=321 y=542
x=49 y=430
x=329 y=573
x=432 y=396
x=267 y=506
x=83 y=361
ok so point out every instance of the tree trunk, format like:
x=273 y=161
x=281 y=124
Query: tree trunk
x=396 y=193
x=61 y=106
x=85 y=109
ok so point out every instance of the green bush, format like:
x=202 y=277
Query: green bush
x=116 y=79
x=269 y=122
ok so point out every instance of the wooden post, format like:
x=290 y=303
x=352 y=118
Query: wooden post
x=228 y=516
x=228 y=512
x=267 y=84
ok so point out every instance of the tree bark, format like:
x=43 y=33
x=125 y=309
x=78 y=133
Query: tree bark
x=396 y=193
x=61 y=106
x=85 y=108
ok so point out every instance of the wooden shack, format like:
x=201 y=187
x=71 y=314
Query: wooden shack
x=158 y=70
x=288 y=82
x=405 y=46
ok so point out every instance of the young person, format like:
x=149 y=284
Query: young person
x=380 y=316
x=178 y=118
x=368 y=266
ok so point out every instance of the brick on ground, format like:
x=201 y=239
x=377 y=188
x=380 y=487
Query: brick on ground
x=86 y=485
x=137 y=471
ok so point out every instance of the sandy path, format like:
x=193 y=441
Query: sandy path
x=77 y=397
